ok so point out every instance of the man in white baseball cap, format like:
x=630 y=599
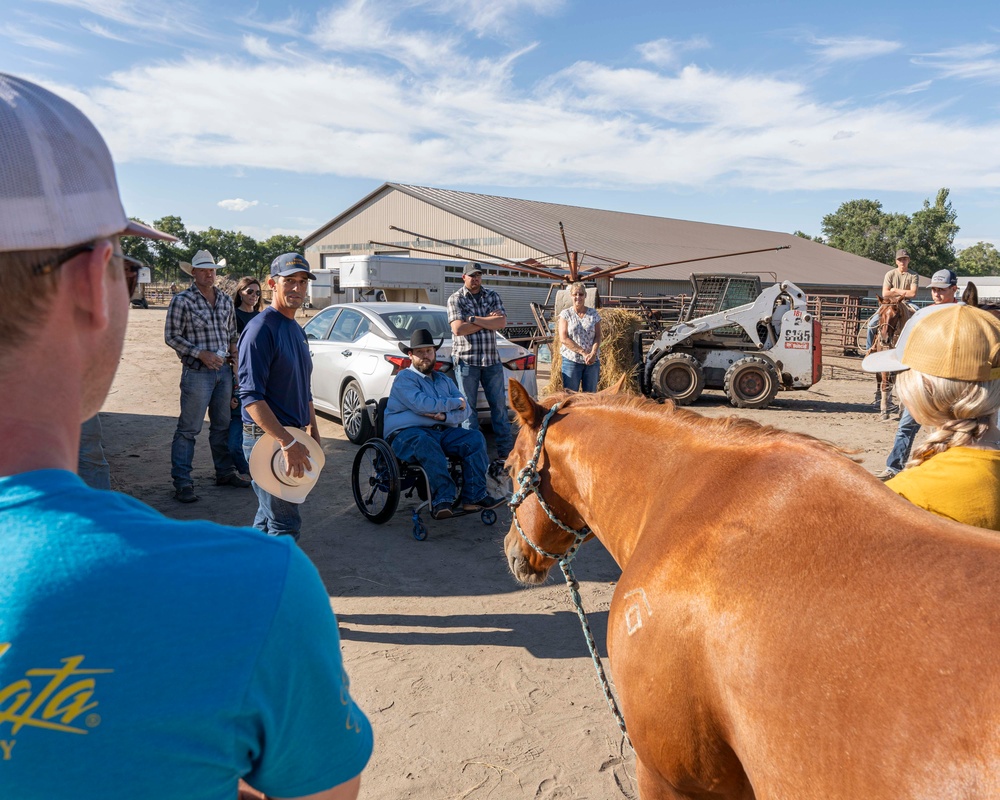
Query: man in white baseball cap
x=159 y=656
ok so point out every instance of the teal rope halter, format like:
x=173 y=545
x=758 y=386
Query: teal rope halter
x=528 y=481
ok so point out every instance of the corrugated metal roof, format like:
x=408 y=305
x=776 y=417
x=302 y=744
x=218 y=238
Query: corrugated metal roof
x=642 y=239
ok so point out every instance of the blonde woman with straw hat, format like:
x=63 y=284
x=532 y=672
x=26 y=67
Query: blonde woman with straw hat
x=948 y=358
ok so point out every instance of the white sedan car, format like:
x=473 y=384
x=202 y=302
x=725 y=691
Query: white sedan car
x=356 y=355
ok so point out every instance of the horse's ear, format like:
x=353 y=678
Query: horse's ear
x=971 y=295
x=524 y=405
x=879 y=298
x=618 y=387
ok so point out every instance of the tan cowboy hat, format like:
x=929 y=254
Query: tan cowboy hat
x=202 y=260
x=267 y=467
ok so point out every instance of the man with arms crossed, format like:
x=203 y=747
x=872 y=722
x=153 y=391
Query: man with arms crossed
x=475 y=315
x=138 y=655
x=201 y=327
x=275 y=386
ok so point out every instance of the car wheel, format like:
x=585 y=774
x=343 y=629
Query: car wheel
x=354 y=414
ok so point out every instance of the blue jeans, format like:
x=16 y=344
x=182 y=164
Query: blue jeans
x=575 y=374
x=276 y=517
x=872 y=327
x=469 y=377
x=906 y=432
x=201 y=390
x=92 y=466
x=236 y=440
x=429 y=448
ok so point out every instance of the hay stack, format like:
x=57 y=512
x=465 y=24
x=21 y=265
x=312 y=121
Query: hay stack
x=619 y=327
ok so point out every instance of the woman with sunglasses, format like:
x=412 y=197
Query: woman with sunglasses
x=246 y=299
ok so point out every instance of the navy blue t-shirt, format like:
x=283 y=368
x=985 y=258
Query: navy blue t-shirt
x=276 y=367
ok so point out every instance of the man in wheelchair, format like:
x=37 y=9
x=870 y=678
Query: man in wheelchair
x=423 y=424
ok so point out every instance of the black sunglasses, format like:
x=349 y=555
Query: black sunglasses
x=129 y=264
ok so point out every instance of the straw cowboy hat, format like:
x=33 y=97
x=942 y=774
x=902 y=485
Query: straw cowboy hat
x=267 y=467
x=421 y=337
x=202 y=260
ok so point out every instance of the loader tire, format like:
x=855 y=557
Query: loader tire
x=751 y=383
x=678 y=377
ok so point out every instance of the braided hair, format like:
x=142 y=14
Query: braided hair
x=959 y=411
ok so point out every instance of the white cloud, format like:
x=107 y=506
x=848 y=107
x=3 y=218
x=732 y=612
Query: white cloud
x=237 y=204
x=968 y=62
x=668 y=52
x=32 y=40
x=260 y=47
x=492 y=16
x=455 y=121
x=176 y=17
x=853 y=49
x=100 y=30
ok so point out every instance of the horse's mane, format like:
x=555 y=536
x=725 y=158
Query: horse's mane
x=730 y=429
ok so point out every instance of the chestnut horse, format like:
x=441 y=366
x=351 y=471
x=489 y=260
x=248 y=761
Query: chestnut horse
x=785 y=626
x=892 y=316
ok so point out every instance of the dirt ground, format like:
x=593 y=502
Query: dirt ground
x=476 y=687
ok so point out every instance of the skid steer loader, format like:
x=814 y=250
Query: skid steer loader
x=736 y=337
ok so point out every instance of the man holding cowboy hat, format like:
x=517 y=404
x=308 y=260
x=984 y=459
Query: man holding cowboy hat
x=423 y=424
x=280 y=436
x=201 y=327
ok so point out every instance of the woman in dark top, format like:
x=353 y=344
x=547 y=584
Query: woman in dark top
x=246 y=298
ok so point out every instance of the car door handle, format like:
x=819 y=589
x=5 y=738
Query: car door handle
x=346 y=353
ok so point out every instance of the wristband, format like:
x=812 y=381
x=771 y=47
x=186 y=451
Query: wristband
x=286 y=447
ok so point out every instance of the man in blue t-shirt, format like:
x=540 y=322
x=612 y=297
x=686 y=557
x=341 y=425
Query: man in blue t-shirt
x=138 y=655
x=275 y=375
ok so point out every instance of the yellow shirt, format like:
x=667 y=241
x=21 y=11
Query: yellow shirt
x=962 y=483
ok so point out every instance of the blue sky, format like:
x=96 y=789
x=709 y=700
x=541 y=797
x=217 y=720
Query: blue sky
x=274 y=117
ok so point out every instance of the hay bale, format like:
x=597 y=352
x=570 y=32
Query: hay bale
x=618 y=327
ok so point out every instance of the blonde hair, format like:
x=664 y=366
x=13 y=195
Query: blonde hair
x=959 y=411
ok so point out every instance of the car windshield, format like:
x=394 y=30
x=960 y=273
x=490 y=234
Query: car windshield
x=403 y=323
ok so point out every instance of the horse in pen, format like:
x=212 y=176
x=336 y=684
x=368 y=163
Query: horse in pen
x=785 y=626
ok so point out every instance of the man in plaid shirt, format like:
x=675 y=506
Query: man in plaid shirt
x=475 y=315
x=201 y=327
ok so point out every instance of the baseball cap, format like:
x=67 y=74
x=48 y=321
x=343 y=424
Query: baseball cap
x=57 y=179
x=948 y=341
x=289 y=264
x=473 y=268
x=901 y=253
x=943 y=278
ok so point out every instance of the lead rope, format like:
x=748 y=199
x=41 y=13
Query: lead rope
x=527 y=482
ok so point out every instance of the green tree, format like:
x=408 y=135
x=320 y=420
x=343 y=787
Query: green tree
x=980 y=259
x=273 y=247
x=863 y=228
x=930 y=236
x=167 y=255
x=138 y=246
x=802 y=235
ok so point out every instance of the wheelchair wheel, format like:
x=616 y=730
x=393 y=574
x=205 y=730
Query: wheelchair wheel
x=375 y=481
